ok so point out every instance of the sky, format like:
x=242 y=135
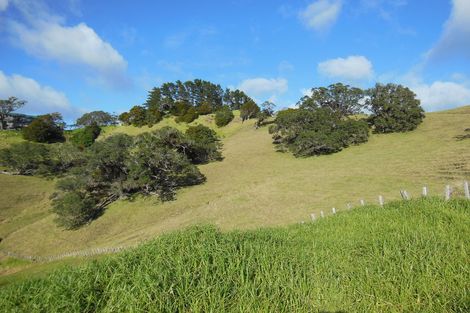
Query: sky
x=76 y=56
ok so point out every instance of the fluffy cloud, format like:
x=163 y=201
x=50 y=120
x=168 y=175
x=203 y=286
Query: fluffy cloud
x=263 y=86
x=3 y=5
x=455 y=40
x=321 y=15
x=79 y=45
x=353 y=67
x=442 y=95
x=40 y=99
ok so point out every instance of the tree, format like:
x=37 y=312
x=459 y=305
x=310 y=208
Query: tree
x=223 y=116
x=7 y=106
x=235 y=99
x=249 y=110
x=267 y=108
x=341 y=99
x=85 y=137
x=47 y=128
x=99 y=118
x=137 y=116
x=394 y=108
x=25 y=158
x=316 y=131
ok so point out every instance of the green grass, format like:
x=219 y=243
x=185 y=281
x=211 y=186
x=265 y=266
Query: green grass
x=253 y=186
x=406 y=257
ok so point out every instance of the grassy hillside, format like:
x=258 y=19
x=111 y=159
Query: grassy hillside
x=253 y=186
x=406 y=257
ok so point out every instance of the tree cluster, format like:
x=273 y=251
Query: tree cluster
x=328 y=120
x=8 y=106
x=185 y=100
x=47 y=128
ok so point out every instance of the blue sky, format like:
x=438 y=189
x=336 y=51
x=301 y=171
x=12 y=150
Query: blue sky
x=74 y=56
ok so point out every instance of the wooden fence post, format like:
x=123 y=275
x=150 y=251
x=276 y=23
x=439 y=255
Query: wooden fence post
x=381 y=200
x=404 y=195
x=333 y=210
x=349 y=206
x=425 y=191
x=363 y=203
x=447 y=192
x=466 y=190
x=322 y=214
x=313 y=217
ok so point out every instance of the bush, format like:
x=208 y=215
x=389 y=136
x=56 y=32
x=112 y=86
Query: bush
x=189 y=116
x=25 y=158
x=85 y=137
x=316 y=131
x=205 y=145
x=45 y=129
x=394 y=109
x=223 y=116
x=73 y=210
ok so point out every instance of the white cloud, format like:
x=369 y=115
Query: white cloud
x=263 y=86
x=79 y=45
x=40 y=99
x=353 y=67
x=321 y=15
x=442 y=95
x=44 y=34
x=3 y=5
x=455 y=40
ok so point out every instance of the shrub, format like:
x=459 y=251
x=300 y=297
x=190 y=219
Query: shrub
x=85 y=137
x=45 y=129
x=223 y=116
x=25 y=158
x=394 y=109
x=205 y=145
x=74 y=209
x=189 y=116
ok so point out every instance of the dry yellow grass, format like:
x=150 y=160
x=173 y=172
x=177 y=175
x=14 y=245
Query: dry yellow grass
x=255 y=186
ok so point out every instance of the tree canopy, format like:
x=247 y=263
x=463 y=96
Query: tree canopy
x=7 y=107
x=99 y=118
x=47 y=128
x=394 y=108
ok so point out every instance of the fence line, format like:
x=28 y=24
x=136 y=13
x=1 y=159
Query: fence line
x=98 y=251
x=406 y=196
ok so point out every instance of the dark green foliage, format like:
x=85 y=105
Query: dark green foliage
x=409 y=256
x=190 y=115
x=137 y=116
x=249 y=110
x=267 y=108
x=74 y=209
x=223 y=116
x=394 y=109
x=26 y=158
x=99 y=118
x=47 y=128
x=153 y=163
x=316 y=131
x=204 y=144
x=153 y=116
x=341 y=99
x=85 y=137
x=125 y=118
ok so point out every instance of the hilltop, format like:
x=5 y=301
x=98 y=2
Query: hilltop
x=253 y=186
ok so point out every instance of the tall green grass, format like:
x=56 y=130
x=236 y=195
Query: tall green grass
x=409 y=256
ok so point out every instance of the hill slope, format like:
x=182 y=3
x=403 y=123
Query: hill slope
x=253 y=186
x=409 y=256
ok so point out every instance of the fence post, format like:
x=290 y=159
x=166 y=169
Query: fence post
x=333 y=210
x=313 y=217
x=466 y=190
x=362 y=202
x=447 y=192
x=404 y=195
x=349 y=206
x=381 y=200
x=322 y=214
x=425 y=191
